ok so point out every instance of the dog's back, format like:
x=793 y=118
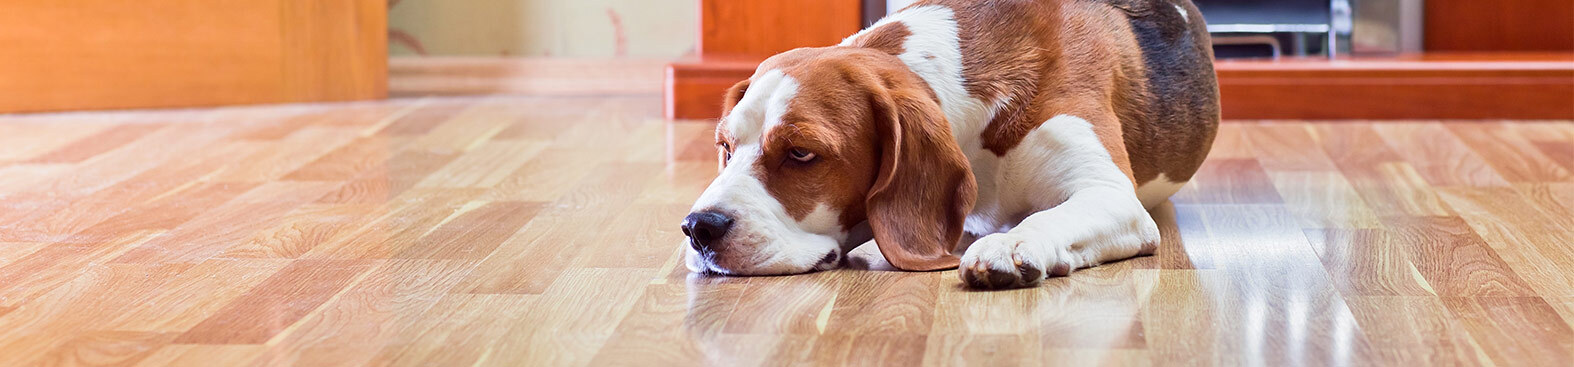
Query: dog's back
x=1153 y=60
x=1182 y=91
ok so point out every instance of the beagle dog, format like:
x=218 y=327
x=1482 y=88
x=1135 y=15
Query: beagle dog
x=1015 y=139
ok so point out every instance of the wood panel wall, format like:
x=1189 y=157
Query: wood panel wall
x=735 y=35
x=107 y=54
x=769 y=27
x=1463 y=87
x=1500 y=25
x=1479 y=86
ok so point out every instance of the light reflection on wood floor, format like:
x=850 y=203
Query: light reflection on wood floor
x=542 y=231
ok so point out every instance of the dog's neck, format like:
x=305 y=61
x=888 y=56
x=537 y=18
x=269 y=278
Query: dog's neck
x=933 y=51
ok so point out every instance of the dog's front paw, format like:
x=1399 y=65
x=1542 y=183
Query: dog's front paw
x=1005 y=260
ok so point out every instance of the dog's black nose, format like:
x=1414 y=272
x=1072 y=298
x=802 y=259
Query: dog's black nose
x=706 y=228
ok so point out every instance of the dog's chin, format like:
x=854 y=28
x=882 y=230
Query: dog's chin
x=714 y=264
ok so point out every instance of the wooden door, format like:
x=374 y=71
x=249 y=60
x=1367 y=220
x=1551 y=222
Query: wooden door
x=107 y=54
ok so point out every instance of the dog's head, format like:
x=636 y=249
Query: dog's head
x=817 y=142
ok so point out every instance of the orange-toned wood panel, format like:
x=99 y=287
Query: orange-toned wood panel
x=334 y=50
x=102 y=54
x=1477 y=86
x=1512 y=25
x=764 y=28
x=694 y=89
x=736 y=35
x=1483 y=87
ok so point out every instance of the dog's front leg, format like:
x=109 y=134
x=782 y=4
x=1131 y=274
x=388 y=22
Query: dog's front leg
x=1100 y=218
x=1094 y=226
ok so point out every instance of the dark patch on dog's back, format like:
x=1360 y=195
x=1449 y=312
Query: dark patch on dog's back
x=1183 y=91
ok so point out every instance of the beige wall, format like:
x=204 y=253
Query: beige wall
x=569 y=28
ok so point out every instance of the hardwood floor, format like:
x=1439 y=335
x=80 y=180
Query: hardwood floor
x=543 y=231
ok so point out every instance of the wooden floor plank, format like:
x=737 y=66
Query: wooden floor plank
x=1183 y=324
x=475 y=320
x=1099 y=310
x=198 y=355
x=486 y=166
x=1439 y=156
x=350 y=160
x=164 y=213
x=1531 y=241
x=473 y=234
x=1427 y=335
x=551 y=335
x=106 y=348
x=551 y=174
x=74 y=310
x=302 y=230
x=426 y=117
x=196 y=294
x=1515 y=330
x=1229 y=181
x=985 y=349
x=1287 y=147
x=1262 y=254
x=11 y=251
x=56 y=264
x=1454 y=260
x=465 y=129
x=531 y=260
x=299 y=119
x=1185 y=243
x=401 y=172
x=1390 y=186
x=671 y=324
x=1323 y=199
x=130 y=162
x=226 y=226
x=25 y=141
x=374 y=311
x=17 y=178
x=395 y=227
x=1511 y=155
x=542 y=230
x=271 y=164
x=1368 y=262
x=96 y=144
x=277 y=303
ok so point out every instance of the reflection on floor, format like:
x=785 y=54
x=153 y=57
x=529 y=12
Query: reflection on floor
x=543 y=231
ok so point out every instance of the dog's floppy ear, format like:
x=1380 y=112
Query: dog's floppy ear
x=924 y=187
x=729 y=100
x=733 y=95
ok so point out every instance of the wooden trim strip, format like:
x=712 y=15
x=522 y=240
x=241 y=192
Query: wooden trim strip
x=1485 y=86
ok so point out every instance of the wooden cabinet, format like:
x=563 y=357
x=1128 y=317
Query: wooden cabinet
x=107 y=54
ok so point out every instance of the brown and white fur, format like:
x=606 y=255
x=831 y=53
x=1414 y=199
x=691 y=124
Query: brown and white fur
x=1028 y=136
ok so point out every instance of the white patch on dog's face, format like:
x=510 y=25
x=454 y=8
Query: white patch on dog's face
x=764 y=239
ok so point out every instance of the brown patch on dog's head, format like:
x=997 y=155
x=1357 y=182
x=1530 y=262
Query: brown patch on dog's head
x=888 y=38
x=884 y=152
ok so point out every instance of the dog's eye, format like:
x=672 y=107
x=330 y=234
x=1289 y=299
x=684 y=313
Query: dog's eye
x=726 y=151
x=801 y=155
